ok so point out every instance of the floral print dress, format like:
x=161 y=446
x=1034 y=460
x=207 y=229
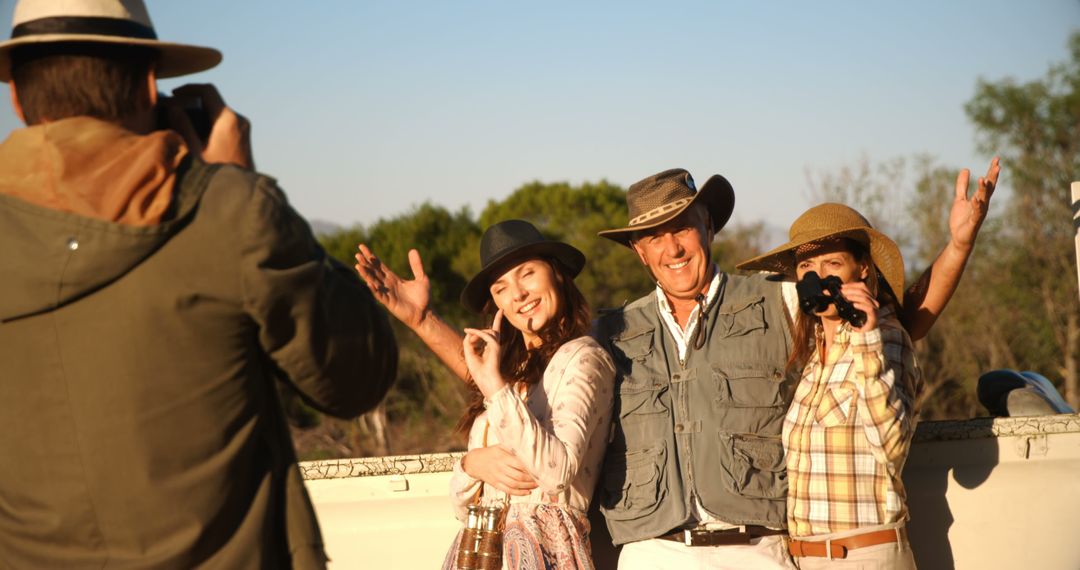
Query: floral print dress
x=558 y=428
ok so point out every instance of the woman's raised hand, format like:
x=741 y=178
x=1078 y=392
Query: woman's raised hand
x=408 y=301
x=859 y=294
x=482 y=352
x=500 y=469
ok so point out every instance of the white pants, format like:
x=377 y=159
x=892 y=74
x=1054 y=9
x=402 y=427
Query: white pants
x=767 y=553
x=888 y=556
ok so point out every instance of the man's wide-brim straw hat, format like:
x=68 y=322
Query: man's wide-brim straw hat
x=832 y=221
x=509 y=243
x=118 y=22
x=661 y=197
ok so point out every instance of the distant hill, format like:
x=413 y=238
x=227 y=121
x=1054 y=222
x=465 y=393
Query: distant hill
x=323 y=227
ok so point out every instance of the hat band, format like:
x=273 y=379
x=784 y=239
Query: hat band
x=657 y=212
x=87 y=26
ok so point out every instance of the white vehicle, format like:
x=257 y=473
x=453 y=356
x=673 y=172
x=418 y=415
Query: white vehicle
x=983 y=493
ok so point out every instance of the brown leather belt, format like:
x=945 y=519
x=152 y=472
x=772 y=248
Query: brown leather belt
x=841 y=546
x=726 y=537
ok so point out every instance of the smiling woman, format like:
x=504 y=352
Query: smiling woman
x=528 y=298
x=542 y=395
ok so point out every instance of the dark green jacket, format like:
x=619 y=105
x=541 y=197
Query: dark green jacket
x=707 y=428
x=139 y=422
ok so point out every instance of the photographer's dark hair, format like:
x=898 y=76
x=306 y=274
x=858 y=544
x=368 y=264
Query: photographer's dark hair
x=803 y=330
x=62 y=80
x=517 y=362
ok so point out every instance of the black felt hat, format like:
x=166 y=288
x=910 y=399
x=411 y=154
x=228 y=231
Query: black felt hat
x=510 y=242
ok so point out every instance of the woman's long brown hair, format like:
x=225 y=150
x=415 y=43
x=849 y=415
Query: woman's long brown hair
x=518 y=362
x=803 y=331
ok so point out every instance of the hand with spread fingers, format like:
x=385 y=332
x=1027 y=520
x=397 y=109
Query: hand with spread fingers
x=859 y=295
x=229 y=140
x=500 y=469
x=968 y=214
x=408 y=300
x=482 y=352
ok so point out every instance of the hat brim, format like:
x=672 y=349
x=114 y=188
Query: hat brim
x=476 y=292
x=174 y=59
x=717 y=195
x=884 y=253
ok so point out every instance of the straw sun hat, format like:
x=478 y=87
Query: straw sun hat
x=121 y=22
x=830 y=221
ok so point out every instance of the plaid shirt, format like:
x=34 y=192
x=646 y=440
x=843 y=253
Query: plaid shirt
x=849 y=428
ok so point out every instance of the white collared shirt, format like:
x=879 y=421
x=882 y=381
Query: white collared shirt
x=683 y=337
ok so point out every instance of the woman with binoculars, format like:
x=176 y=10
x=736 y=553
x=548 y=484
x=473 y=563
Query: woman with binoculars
x=849 y=428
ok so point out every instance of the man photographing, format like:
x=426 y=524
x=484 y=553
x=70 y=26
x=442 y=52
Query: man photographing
x=154 y=289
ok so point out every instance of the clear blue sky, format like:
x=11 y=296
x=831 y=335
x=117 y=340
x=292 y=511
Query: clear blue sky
x=363 y=109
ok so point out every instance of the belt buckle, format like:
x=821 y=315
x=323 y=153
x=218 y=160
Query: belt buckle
x=691 y=535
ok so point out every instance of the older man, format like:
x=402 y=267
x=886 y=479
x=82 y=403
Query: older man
x=149 y=302
x=694 y=475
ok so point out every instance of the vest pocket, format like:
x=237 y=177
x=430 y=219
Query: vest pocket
x=639 y=380
x=749 y=387
x=753 y=466
x=632 y=486
x=741 y=317
x=640 y=403
x=632 y=352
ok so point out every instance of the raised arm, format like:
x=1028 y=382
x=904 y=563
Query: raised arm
x=410 y=302
x=926 y=298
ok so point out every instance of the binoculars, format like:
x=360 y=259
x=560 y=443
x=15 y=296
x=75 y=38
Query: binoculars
x=481 y=541
x=813 y=300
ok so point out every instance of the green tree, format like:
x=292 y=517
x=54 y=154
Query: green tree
x=1035 y=126
x=612 y=275
x=909 y=199
x=420 y=411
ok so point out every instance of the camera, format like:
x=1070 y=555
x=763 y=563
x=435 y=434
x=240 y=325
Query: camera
x=481 y=541
x=813 y=300
x=199 y=118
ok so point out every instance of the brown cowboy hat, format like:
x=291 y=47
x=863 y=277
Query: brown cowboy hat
x=123 y=22
x=830 y=221
x=508 y=243
x=661 y=197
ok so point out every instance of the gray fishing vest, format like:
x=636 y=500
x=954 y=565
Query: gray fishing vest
x=709 y=427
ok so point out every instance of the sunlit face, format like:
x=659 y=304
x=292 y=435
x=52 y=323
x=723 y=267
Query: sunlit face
x=831 y=258
x=528 y=295
x=677 y=253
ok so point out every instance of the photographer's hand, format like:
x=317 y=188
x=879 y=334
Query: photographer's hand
x=500 y=469
x=230 y=133
x=859 y=296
